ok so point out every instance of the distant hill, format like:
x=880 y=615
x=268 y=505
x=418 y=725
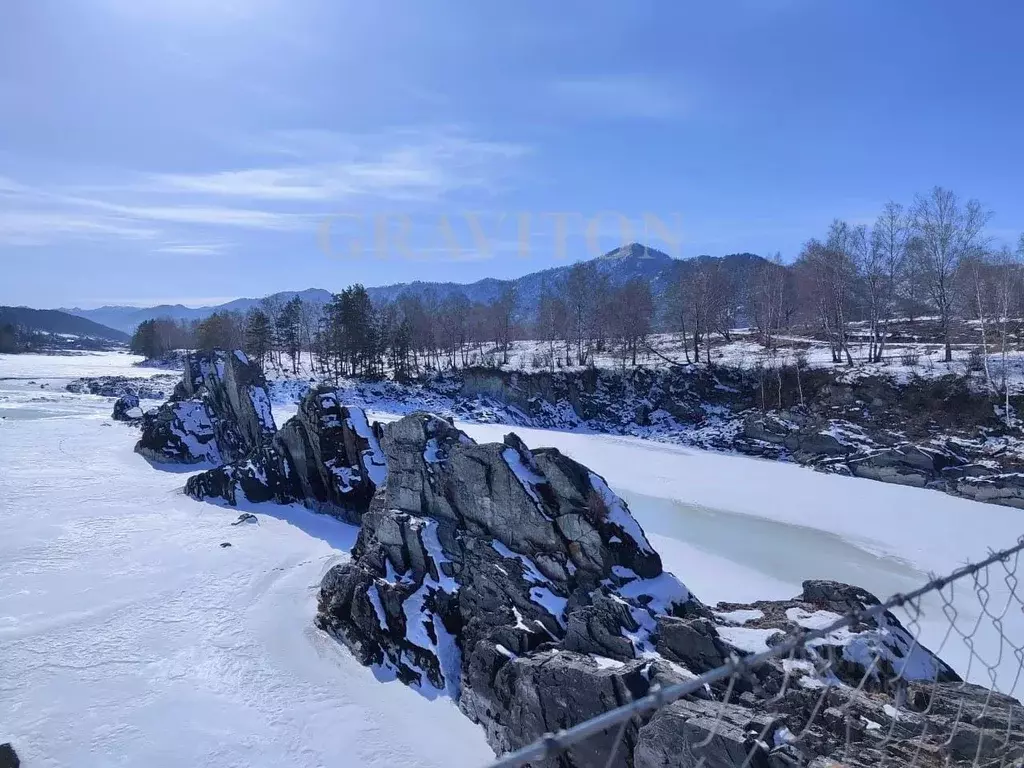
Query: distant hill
x=630 y=261
x=127 y=319
x=55 y=321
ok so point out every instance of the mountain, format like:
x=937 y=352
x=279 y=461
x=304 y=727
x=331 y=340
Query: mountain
x=127 y=319
x=55 y=321
x=623 y=264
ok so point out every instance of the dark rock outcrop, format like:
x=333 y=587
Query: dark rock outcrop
x=327 y=457
x=517 y=583
x=997 y=488
x=486 y=571
x=219 y=412
x=116 y=386
x=924 y=431
x=687 y=734
x=127 y=408
x=8 y=757
x=905 y=465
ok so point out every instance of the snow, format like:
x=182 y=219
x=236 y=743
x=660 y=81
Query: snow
x=195 y=420
x=617 y=515
x=550 y=602
x=740 y=616
x=432 y=451
x=530 y=572
x=603 y=662
x=748 y=639
x=783 y=736
x=373 y=457
x=660 y=593
x=418 y=617
x=251 y=682
x=432 y=544
x=129 y=637
x=812 y=619
x=261 y=402
x=912 y=530
x=504 y=651
x=374 y=596
x=527 y=477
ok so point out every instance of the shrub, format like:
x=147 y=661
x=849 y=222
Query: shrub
x=910 y=357
x=975 y=361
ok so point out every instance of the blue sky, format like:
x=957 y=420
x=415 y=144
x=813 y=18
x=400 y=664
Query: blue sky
x=190 y=151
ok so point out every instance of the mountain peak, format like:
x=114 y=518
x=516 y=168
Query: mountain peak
x=635 y=251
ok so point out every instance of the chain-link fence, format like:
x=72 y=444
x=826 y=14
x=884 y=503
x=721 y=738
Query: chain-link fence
x=926 y=678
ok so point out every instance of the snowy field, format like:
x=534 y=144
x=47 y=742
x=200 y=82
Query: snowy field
x=902 y=361
x=129 y=636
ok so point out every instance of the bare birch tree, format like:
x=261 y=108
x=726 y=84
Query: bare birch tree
x=948 y=233
x=883 y=271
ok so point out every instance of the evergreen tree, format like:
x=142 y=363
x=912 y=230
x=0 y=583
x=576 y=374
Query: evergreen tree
x=258 y=335
x=289 y=330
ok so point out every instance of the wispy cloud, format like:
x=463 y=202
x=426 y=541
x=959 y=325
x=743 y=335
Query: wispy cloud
x=399 y=165
x=39 y=227
x=623 y=96
x=194 y=249
x=322 y=171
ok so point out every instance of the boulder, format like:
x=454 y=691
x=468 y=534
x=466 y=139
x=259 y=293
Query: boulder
x=180 y=432
x=906 y=465
x=219 y=412
x=519 y=698
x=327 y=457
x=704 y=734
x=693 y=642
x=127 y=408
x=877 y=654
x=997 y=488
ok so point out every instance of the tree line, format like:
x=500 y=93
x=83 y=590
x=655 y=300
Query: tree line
x=930 y=258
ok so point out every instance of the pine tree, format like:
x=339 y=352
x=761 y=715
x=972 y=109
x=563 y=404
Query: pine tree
x=289 y=330
x=258 y=335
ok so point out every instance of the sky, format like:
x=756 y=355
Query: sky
x=186 y=151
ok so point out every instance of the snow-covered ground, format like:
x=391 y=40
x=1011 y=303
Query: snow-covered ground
x=902 y=360
x=129 y=636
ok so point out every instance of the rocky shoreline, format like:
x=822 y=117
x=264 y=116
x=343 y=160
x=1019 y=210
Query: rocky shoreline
x=517 y=583
x=942 y=434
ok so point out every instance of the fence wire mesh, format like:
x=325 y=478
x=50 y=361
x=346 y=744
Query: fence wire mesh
x=864 y=688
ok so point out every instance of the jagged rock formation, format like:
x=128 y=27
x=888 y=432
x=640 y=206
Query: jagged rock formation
x=478 y=562
x=516 y=582
x=327 y=457
x=219 y=412
x=127 y=408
